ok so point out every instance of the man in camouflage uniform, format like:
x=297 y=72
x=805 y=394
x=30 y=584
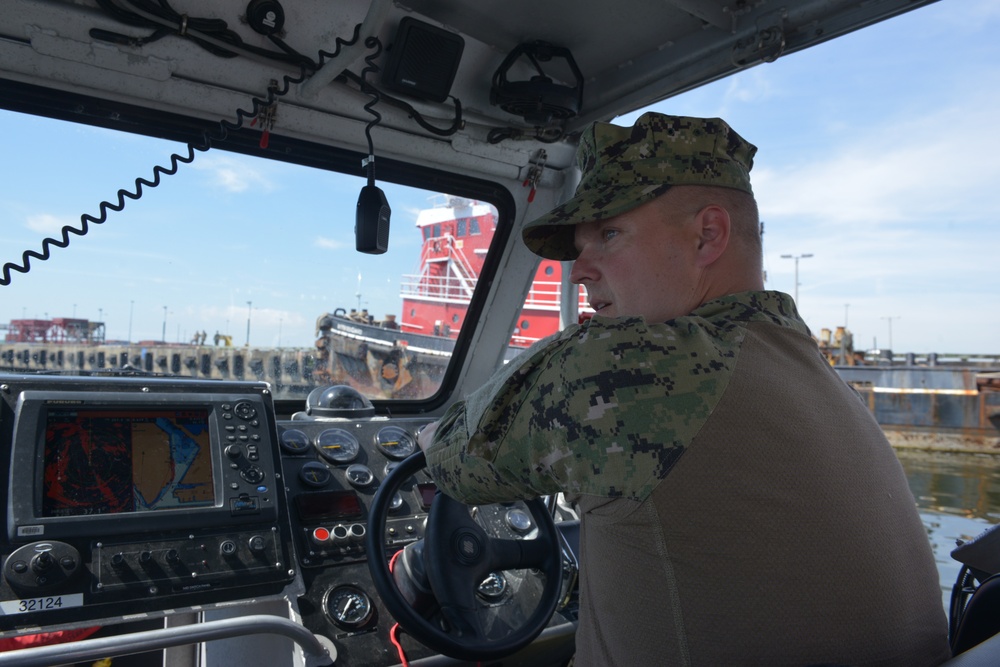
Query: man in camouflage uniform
x=739 y=503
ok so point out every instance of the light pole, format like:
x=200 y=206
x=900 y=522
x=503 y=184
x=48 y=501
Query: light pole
x=131 y=306
x=797 y=258
x=889 y=319
x=249 y=310
x=164 y=336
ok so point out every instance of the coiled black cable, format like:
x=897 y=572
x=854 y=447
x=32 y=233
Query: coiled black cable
x=86 y=219
x=370 y=66
x=225 y=126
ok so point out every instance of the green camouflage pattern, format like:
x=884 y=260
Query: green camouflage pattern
x=624 y=167
x=604 y=408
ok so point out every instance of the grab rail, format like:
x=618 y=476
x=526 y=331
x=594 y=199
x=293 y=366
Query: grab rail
x=148 y=640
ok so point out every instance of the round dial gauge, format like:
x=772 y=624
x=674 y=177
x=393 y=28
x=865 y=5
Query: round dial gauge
x=395 y=442
x=337 y=445
x=294 y=441
x=349 y=607
x=315 y=474
x=359 y=475
x=492 y=587
x=519 y=520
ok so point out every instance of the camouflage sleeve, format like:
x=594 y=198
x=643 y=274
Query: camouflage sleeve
x=606 y=408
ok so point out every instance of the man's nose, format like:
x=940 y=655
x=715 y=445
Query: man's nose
x=583 y=269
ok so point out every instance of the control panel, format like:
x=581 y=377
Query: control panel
x=333 y=469
x=138 y=495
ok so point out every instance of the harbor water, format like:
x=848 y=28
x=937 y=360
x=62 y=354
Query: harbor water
x=958 y=496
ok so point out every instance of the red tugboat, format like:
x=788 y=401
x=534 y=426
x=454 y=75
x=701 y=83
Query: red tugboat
x=456 y=236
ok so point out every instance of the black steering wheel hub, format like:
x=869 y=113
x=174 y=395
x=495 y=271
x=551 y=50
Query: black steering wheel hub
x=468 y=547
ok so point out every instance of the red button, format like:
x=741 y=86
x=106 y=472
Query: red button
x=320 y=535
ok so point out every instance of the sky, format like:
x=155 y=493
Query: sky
x=878 y=163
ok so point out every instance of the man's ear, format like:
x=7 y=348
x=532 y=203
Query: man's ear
x=714 y=227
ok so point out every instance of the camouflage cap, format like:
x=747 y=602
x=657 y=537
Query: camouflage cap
x=624 y=167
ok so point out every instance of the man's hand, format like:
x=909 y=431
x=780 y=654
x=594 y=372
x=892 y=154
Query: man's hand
x=426 y=436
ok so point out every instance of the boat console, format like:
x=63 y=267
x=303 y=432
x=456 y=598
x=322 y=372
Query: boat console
x=144 y=498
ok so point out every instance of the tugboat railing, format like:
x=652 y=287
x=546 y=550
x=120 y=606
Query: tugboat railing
x=543 y=294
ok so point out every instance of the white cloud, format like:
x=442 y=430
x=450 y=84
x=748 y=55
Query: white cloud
x=234 y=174
x=45 y=223
x=752 y=87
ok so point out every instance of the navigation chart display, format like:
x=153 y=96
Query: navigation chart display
x=109 y=461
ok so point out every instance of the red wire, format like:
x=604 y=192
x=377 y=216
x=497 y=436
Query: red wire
x=394 y=638
x=392 y=561
x=394 y=630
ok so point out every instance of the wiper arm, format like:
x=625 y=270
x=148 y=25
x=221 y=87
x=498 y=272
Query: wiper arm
x=128 y=370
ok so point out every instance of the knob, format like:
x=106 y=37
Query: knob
x=253 y=474
x=257 y=544
x=340 y=534
x=42 y=562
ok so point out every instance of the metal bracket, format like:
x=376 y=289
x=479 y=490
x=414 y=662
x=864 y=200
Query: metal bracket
x=536 y=167
x=767 y=44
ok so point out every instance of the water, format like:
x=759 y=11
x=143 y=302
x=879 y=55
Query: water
x=958 y=496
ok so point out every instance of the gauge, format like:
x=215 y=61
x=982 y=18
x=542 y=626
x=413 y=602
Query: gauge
x=337 y=445
x=294 y=441
x=395 y=442
x=492 y=587
x=349 y=607
x=519 y=520
x=315 y=474
x=359 y=475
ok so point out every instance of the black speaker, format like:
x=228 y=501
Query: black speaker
x=371 y=221
x=423 y=61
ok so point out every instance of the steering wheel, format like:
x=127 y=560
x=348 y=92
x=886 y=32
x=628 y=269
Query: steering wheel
x=458 y=556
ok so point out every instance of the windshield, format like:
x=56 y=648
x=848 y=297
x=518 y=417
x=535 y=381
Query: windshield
x=234 y=267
